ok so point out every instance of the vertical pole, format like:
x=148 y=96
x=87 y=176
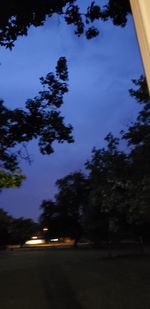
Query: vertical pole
x=141 y=15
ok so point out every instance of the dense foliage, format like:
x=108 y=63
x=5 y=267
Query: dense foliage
x=16 y=18
x=41 y=119
x=63 y=217
x=15 y=231
x=112 y=200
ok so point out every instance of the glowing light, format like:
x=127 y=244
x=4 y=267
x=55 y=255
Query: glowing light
x=54 y=239
x=34 y=237
x=35 y=242
x=45 y=229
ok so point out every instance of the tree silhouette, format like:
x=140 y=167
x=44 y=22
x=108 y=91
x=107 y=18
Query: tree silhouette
x=21 y=230
x=16 y=19
x=112 y=201
x=15 y=231
x=41 y=120
x=138 y=138
x=63 y=217
x=5 y=221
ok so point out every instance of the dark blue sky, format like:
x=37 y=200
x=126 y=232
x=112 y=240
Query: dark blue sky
x=100 y=73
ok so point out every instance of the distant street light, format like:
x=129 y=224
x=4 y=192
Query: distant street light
x=34 y=237
x=45 y=229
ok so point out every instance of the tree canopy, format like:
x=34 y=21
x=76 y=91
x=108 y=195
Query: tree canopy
x=112 y=200
x=41 y=120
x=15 y=231
x=16 y=18
x=63 y=216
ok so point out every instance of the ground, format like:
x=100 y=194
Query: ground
x=72 y=279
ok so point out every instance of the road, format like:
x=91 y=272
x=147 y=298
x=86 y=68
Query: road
x=69 y=279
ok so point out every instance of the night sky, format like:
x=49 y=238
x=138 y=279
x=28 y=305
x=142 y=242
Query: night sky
x=100 y=73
